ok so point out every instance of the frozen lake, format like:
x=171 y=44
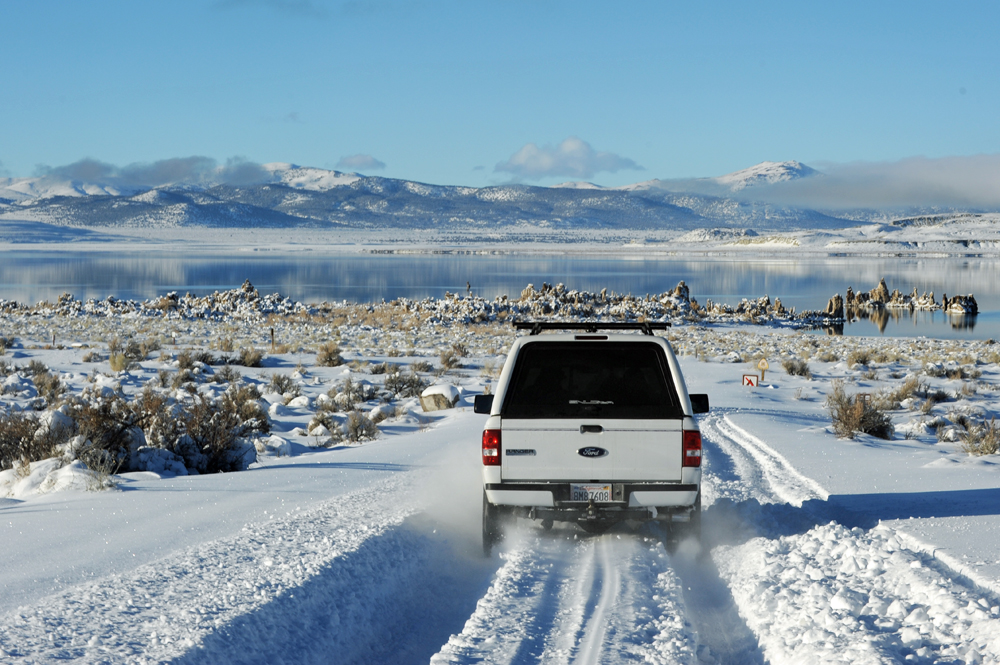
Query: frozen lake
x=803 y=283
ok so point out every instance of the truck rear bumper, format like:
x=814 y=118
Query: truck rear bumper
x=556 y=495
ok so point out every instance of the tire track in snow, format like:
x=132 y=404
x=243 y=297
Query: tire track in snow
x=784 y=482
x=821 y=592
x=597 y=626
x=565 y=598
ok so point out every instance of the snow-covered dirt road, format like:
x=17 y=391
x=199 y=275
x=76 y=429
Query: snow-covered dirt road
x=372 y=556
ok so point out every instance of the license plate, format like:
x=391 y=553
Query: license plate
x=596 y=493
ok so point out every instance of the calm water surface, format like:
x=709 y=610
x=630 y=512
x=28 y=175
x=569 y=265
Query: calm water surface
x=801 y=283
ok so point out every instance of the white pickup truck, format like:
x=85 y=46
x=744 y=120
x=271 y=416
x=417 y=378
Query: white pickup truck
x=591 y=427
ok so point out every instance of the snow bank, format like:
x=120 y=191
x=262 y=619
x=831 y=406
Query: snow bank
x=838 y=595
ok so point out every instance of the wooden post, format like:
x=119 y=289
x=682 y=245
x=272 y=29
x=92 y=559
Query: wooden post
x=272 y=340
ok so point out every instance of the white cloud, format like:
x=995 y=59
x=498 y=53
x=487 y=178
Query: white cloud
x=177 y=170
x=360 y=163
x=962 y=182
x=574 y=158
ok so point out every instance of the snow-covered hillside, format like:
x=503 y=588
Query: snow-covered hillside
x=766 y=173
x=285 y=195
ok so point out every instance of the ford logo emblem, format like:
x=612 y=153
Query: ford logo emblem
x=592 y=451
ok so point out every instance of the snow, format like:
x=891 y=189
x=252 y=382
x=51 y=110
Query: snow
x=816 y=549
x=309 y=178
x=765 y=173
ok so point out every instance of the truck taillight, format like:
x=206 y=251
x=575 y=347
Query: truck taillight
x=691 y=445
x=491 y=447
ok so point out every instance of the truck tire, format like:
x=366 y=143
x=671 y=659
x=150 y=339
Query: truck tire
x=492 y=526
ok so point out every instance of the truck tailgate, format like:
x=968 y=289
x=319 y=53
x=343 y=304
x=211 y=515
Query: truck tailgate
x=621 y=450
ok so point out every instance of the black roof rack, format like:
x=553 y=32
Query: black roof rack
x=536 y=327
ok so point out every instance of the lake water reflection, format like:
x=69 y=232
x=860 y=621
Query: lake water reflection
x=805 y=283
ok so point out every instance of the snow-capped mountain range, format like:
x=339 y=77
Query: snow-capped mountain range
x=291 y=195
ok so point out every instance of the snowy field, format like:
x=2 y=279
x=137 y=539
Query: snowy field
x=353 y=535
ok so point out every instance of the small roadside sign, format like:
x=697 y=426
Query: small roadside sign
x=751 y=380
x=763 y=367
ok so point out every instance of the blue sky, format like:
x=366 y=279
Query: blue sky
x=480 y=93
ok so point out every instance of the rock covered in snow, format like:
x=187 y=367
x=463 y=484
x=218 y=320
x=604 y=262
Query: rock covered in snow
x=439 y=397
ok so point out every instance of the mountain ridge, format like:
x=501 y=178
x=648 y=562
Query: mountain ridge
x=294 y=195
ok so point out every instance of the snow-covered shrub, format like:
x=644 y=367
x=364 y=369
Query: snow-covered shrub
x=36 y=367
x=359 y=428
x=852 y=414
x=227 y=374
x=405 y=385
x=329 y=355
x=18 y=443
x=105 y=422
x=283 y=384
x=218 y=428
x=350 y=394
x=324 y=416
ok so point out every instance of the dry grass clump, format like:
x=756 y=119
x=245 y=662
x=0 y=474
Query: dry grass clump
x=796 y=367
x=189 y=358
x=491 y=369
x=827 y=356
x=910 y=387
x=49 y=386
x=968 y=389
x=982 y=439
x=35 y=367
x=249 y=357
x=963 y=373
x=451 y=357
x=852 y=414
x=859 y=357
x=884 y=355
x=134 y=350
x=92 y=357
x=421 y=366
x=119 y=362
x=328 y=355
